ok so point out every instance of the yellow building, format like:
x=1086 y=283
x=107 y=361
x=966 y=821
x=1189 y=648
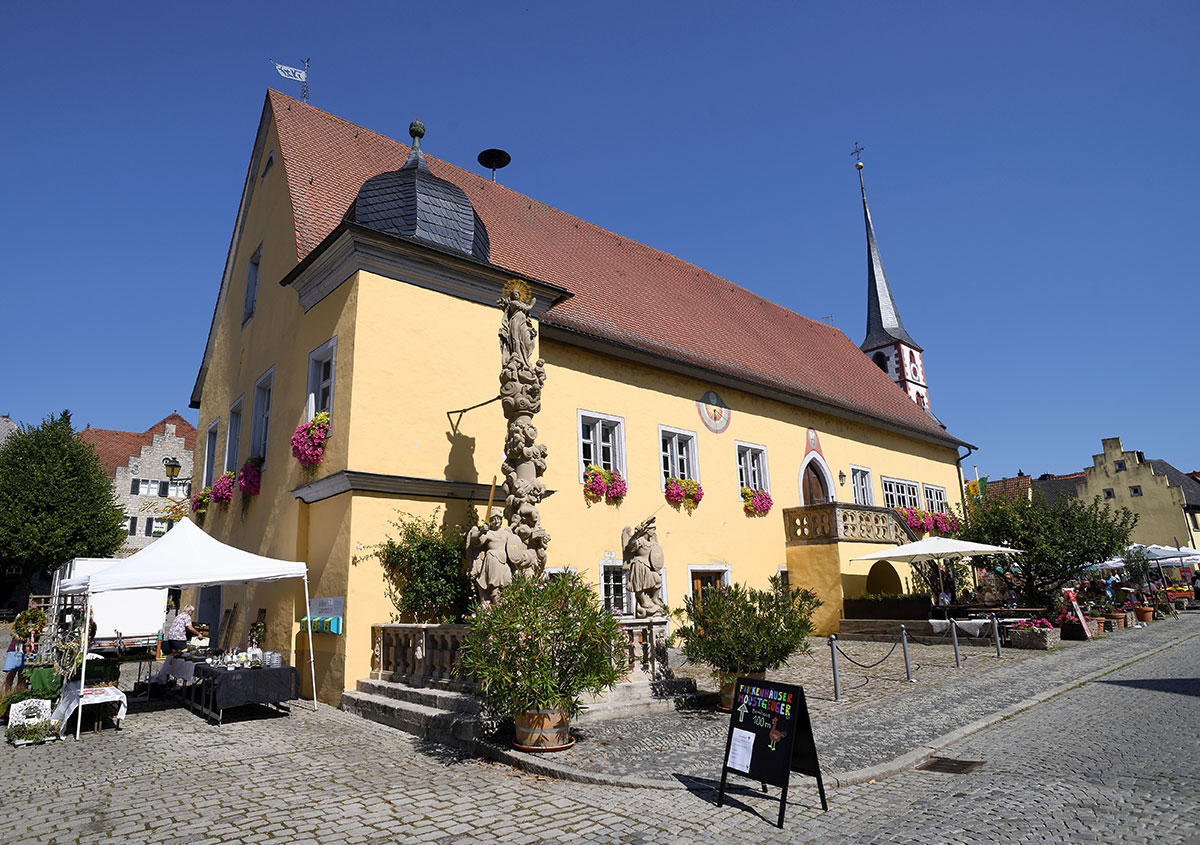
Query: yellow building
x=362 y=280
x=1166 y=501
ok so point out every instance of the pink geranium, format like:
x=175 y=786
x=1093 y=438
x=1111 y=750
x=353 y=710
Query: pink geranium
x=222 y=489
x=250 y=478
x=308 y=443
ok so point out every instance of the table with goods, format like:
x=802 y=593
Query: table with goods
x=213 y=684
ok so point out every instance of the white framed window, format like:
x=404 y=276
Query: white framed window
x=233 y=435
x=860 y=480
x=898 y=493
x=251 y=285
x=179 y=489
x=678 y=451
x=322 y=364
x=935 y=499
x=601 y=441
x=260 y=426
x=617 y=598
x=160 y=527
x=701 y=578
x=210 y=452
x=782 y=572
x=752 y=466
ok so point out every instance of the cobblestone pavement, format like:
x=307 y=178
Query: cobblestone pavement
x=882 y=716
x=1110 y=761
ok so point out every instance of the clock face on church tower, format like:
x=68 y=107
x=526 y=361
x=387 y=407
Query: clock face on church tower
x=914 y=369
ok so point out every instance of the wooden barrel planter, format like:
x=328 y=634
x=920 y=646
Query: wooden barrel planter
x=542 y=730
x=728 y=681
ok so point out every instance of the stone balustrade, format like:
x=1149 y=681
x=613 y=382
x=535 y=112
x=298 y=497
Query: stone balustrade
x=419 y=653
x=834 y=522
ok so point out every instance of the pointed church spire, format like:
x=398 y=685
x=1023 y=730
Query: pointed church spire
x=883 y=317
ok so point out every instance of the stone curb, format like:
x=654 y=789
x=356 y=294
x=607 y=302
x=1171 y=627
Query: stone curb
x=543 y=765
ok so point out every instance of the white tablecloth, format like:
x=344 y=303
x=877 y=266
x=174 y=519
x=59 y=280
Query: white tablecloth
x=177 y=667
x=973 y=628
x=97 y=695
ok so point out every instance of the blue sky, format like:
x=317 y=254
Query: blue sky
x=1031 y=169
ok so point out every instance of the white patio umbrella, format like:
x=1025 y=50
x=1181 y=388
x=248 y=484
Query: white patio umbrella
x=938 y=550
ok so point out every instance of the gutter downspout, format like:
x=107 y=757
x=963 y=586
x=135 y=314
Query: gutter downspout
x=962 y=485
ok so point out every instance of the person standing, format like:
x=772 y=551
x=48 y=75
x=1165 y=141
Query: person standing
x=181 y=629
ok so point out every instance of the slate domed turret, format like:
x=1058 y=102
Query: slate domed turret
x=413 y=203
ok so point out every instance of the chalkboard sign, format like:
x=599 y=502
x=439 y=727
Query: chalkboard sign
x=770 y=736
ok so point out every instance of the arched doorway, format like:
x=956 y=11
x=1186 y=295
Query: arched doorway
x=884 y=580
x=816 y=485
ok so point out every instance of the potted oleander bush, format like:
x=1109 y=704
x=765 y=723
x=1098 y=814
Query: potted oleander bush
x=739 y=630
x=536 y=650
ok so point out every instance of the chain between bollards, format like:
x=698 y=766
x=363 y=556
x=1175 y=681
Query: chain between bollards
x=996 y=634
x=954 y=637
x=904 y=646
x=837 y=682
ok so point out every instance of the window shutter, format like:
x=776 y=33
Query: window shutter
x=170 y=524
x=149 y=526
x=162 y=489
x=132 y=525
x=133 y=486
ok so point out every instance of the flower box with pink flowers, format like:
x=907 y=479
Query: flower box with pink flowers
x=1034 y=633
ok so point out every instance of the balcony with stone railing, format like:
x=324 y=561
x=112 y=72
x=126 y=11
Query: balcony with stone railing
x=835 y=522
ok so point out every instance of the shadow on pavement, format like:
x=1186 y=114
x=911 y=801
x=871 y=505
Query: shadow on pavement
x=1179 y=686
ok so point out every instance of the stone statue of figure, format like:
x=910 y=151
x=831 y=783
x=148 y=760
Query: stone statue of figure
x=643 y=563
x=487 y=546
x=517 y=332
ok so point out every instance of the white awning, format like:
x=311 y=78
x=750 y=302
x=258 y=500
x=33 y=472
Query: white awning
x=937 y=549
x=185 y=557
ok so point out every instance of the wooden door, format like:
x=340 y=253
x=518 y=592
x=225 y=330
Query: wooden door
x=814 y=486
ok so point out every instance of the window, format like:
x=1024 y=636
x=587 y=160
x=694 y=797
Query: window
x=782 y=572
x=705 y=578
x=251 y=285
x=1119 y=466
x=900 y=494
x=752 y=467
x=881 y=361
x=1109 y=494
x=860 y=480
x=678 y=454
x=616 y=597
x=1196 y=520
x=233 y=434
x=321 y=365
x=1135 y=490
x=935 y=499
x=210 y=453
x=260 y=429
x=149 y=487
x=132 y=526
x=160 y=526
x=601 y=442
x=179 y=489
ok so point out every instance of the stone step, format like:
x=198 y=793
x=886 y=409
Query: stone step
x=638 y=690
x=437 y=698
x=453 y=728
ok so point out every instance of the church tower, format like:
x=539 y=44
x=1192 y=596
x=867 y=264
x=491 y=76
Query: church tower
x=887 y=342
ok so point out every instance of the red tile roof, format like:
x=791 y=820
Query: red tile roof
x=1014 y=488
x=623 y=291
x=115 y=448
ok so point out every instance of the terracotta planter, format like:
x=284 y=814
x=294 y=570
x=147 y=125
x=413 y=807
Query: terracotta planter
x=1037 y=638
x=1114 y=621
x=1097 y=625
x=728 y=680
x=542 y=730
x=1144 y=614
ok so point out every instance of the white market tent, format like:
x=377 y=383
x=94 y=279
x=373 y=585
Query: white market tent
x=188 y=557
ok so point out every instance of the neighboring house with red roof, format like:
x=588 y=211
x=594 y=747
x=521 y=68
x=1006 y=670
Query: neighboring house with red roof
x=134 y=462
x=362 y=280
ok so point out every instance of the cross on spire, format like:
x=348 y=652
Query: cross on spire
x=858 y=151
